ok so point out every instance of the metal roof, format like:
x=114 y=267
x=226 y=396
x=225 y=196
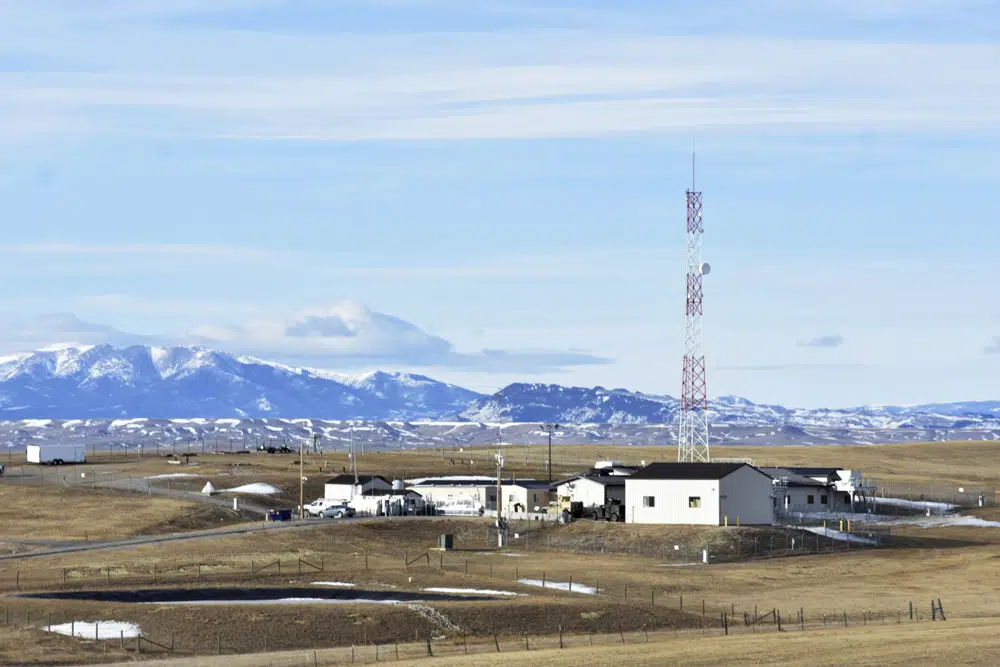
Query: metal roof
x=793 y=478
x=688 y=470
x=348 y=479
x=605 y=480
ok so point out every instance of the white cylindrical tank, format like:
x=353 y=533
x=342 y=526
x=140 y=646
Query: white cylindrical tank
x=397 y=485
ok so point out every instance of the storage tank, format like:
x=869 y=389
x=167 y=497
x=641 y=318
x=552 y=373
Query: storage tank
x=397 y=485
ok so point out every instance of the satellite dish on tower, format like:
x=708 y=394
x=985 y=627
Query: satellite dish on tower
x=706 y=269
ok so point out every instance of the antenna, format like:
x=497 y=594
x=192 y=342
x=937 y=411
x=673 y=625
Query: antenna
x=692 y=433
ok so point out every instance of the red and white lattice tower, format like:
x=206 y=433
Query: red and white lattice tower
x=692 y=436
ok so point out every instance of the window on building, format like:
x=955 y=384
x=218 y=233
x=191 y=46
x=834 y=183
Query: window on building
x=648 y=501
x=847 y=498
x=823 y=500
x=694 y=502
x=511 y=497
x=810 y=500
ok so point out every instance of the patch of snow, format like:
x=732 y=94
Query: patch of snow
x=332 y=583
x=919 y=504
x=479 y=591
x=280 y=601
x=36 y=423
x=100 y=629
x=955 y=521
x=172 y=475
x=838 y=535
x=559 y=586
x=257 y=488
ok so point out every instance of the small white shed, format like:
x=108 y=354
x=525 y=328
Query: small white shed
x=591 y=490
x=709 y=494
x=342 y=487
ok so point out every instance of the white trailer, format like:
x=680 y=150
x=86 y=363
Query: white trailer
x=56 y=454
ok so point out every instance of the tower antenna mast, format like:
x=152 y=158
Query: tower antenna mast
x=692 y=433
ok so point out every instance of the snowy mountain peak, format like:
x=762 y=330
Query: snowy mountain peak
x=144 y=381
x=95 y=382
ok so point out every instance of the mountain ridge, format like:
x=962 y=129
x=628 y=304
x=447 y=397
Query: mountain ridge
x=142 y=381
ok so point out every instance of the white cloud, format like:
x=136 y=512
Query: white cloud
x=345 y=334
x=58 y=328
x=170 y=77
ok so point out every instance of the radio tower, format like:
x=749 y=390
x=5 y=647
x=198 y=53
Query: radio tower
x=692 y=435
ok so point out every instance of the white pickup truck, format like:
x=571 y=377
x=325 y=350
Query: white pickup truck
x=316 y=507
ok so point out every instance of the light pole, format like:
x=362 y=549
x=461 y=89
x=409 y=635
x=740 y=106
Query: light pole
x=549 y=428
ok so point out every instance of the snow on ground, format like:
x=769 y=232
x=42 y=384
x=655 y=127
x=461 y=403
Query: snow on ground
x=280 y=601
x=919 y=504
x=838 y=535
x=173 y=475
x=494 y=553
x=103 y=629
x=478 y=591
x=955 y=521
x=332 y=583
x=559 y=586
x=257 y=489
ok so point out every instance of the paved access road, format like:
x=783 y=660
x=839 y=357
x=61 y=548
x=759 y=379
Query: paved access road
x=175 y=537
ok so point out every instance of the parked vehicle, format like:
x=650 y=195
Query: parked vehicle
x=55 y=455
x=271 y=449
x=316 y=507
x=609 y=511
x=338 y=511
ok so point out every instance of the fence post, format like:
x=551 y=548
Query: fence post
x=430 y=652
x=682 y=604
x=561 y=637
x=911 y=610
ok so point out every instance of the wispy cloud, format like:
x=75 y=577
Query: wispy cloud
x=343 y=335
x=787 y=367
x=188 y=251
x=824 y=342
x=174 y=77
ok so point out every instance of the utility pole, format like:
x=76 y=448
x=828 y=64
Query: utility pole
x=549 y=428
x=301 y=482
x=501 y=524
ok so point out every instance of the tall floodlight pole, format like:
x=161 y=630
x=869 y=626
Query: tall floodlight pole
x=549 y=428
x=302 y=480
x=692 y=434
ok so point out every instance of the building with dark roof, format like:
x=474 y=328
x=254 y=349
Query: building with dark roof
x=343 y=487
x=712 y=494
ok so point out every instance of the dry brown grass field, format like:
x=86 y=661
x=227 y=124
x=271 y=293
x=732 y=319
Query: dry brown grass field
x=637 y=575
x=66 y=513
x=900 y=469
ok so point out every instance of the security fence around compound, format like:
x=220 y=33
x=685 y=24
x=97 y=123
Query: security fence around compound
x=703 y=616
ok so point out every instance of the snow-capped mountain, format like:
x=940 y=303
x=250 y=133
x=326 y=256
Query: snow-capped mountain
x=142 y=381
x=137 y=393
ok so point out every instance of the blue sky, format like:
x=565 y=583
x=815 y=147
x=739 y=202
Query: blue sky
x=405 y=184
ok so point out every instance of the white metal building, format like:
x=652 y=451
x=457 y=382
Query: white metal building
x=707 y=494
x=592 y=490
x=457 y=491
x=342 y=487
x=797 y=492
x=524 y=495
